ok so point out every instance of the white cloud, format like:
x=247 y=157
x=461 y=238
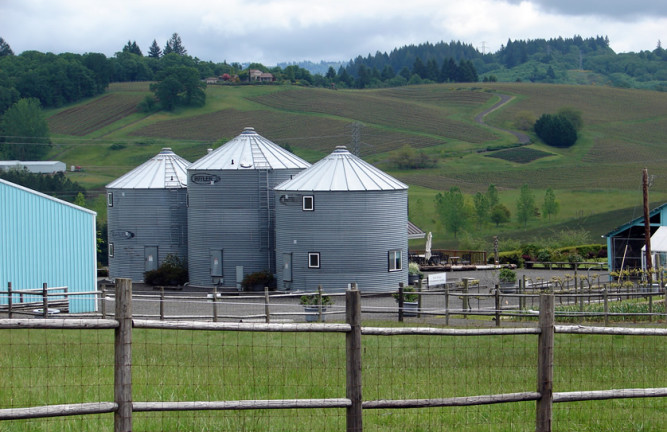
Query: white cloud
x=270 y=31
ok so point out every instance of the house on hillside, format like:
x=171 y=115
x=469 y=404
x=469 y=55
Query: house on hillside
x=258 y=75
x=47 y=241
x=626 y=242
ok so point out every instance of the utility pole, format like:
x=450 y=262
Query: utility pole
x=647 y=227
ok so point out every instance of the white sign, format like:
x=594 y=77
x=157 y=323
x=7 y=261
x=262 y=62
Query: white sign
x=437 y=279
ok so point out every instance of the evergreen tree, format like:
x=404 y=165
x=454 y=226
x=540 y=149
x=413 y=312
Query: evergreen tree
x=492 y=195
x=5 y=49
x=550 y=205
x=525 y=205
x=452 y=210
x=174 y=45
x=419 y=69
x=154 y=51
x=133 y=48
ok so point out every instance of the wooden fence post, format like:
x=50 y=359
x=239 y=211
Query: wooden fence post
x=498 y=305
x=353 y=355
x=161 y=303
x=400 y=302
x=465 y=305
x=9 y=300
x=419 y=299
x=446 y=304
x=545 y=360
x=215 y=303
x=267 y=312
x=123 y=356
x=45 y=300
x=606 y=306
x=319 y=303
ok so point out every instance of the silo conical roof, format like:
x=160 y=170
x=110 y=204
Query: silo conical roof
x=247 y=151
x=342 y=171
x=166 y=170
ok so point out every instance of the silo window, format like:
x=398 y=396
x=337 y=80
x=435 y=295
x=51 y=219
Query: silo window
x=313 y=260
x=110 y=250
x=395 y=261
x=308 y=203
x=110 y=199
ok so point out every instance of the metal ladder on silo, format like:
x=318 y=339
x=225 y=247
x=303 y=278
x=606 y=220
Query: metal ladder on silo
x=265 y=206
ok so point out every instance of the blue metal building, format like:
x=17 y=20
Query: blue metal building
x=47 y=240
x=625 y=243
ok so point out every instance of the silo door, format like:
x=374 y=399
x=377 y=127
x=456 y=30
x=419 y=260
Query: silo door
x=287 y=267
x=150 y=258
x=239 y=277
x=216 y=263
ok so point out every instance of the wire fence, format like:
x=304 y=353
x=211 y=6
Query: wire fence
x=185 y=374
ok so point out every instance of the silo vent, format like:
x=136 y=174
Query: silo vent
x=209 y=150
x=248 y=130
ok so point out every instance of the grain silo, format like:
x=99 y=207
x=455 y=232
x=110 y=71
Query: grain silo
x=147 y=216
x=231 y=214
x=341 y=221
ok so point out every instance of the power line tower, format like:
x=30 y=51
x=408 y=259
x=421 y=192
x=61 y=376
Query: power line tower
x=355 y=143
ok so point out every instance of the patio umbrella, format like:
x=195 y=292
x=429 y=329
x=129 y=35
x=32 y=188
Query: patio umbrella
x=427 y=253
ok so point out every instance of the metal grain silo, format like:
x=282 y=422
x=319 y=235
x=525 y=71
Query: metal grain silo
x=231 y=214
x=147 y=216
x=341 y=221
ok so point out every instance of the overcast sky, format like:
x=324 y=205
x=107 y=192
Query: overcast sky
x=272 y=31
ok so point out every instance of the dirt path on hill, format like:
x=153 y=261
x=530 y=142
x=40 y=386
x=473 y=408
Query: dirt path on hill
x=479 y=118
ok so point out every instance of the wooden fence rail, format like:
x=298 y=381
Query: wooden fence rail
x=123 y=406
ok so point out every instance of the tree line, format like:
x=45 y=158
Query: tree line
x=460 y=212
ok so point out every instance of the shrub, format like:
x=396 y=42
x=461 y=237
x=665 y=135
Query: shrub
x=556 y=130
x=507 y=275
x=173 y=271
x=408 y=294
x=262 y=278
x=117 y=146
x=311 y=300
x=543 y=255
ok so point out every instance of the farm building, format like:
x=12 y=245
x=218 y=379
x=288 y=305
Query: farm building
x=231 y=213
x=625 y=243
x=147 y=216
x=37 y=167
x=46 y=240
x=341 y=221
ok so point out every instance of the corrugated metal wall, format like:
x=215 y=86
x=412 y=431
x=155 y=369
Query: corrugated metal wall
x=141 y=218
x=352 y=231
x=234 y=215
x=44 y=240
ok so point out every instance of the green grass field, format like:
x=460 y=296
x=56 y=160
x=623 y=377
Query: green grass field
x=596 y=180
x=70 y=366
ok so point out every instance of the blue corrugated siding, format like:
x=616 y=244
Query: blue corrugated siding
x=44 y=240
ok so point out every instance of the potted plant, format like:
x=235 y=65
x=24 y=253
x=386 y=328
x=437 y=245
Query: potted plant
x=311 y=305
x=410 y=301
x=507 y=280
x=414 y=273
x=258 y=280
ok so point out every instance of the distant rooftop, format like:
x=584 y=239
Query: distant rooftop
x=166 y=170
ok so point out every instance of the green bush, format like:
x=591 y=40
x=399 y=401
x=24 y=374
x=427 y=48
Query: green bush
x=264 y=278
x=311 y=300
x=556 y=130
x=173 y=271
x=543 y=255
x=507 y=275
x=408 y=294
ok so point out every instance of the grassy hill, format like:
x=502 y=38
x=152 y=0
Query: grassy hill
x=597 y=182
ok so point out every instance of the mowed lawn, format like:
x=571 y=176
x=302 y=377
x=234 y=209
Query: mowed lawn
x=41 y=367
